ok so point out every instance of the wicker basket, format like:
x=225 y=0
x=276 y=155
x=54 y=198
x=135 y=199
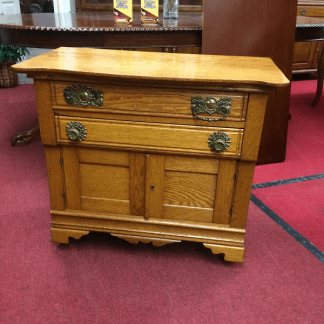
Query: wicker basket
x=8 y=77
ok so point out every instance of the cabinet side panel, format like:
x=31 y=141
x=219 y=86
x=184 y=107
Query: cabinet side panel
x=45 y=112
x=72 y=177
x=253 y=126
x=242 y=194
x=55 y=177
x=224 y=191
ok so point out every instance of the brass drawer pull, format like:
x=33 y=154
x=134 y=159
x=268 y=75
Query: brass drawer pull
x=211 y=105
x=303 y=12
x=76 y=131
x=83 y=95
x=219 y=141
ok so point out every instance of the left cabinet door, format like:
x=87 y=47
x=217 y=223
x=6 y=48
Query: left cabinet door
x=104 y=181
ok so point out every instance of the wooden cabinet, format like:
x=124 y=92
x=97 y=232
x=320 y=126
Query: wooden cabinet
x=306 y=53
x=151 y=147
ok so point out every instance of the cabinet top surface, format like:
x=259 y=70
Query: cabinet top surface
x=158 y=66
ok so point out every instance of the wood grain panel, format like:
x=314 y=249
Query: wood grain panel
x=44 y=102
x=55 y=177
x=104 y=181
x=72 y=177
x=154 y=187
x=137 y=184
x=224 y=191
x=242 y=194
x=189 y=189
x=163 y=68
x=253 y=127
x=105 y=205
x=103 y=157
x=191 y=164
x=193 y=214
x=163 y=101
x=151 y=136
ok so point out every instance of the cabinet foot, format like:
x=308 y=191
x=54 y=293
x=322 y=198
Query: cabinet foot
x=61 y=235
x=137 y=239
x=232 y=253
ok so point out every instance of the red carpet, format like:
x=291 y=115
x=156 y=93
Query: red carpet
x=102 y=279
x=299 y=204
x=305 y=144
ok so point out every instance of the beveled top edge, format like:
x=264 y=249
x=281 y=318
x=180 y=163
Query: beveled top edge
x=136 y=65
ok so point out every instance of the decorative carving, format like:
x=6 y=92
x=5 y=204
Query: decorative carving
x=219 y=141
x=83 y=95
x=76 y=131
x=106 y=29
x=211 y=105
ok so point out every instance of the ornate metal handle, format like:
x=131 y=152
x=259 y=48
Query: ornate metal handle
x=76 y=131
x=211 y=105
x=219 y=141
x=83 y=95
x=303 y=12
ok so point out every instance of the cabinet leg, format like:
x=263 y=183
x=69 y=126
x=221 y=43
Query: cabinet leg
x=232 y=253
x=61 y=235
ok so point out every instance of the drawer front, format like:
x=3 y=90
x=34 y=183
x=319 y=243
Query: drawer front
x=147 y=101
x=161 y=137
x=310 y=11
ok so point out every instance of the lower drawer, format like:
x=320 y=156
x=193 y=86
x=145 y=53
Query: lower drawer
x=149 y=136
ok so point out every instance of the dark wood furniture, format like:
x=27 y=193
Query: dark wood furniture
x=257 y=28
x=311 y=29
x=131 y=151
x=306 y=51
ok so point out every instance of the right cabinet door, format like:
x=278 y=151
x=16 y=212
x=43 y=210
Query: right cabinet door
x=189 y=188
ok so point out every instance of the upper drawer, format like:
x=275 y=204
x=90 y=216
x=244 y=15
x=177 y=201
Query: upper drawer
x=310 y=11
x=160 y=102
x=149 y=136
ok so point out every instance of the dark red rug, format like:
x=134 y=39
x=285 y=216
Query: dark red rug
x=102 y=279
x=305 y=143
x=300 y=200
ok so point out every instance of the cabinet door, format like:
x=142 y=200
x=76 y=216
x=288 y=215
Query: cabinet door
x=104 y=181
x=189 y=188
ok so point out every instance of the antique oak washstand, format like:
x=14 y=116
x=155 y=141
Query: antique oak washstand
x=151 y=147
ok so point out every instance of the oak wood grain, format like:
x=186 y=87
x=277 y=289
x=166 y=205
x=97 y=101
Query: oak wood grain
x=224 y=191
x=154 y=186
x=55 y=177
x=151 y=136
x=158 y=66
x=72 y=178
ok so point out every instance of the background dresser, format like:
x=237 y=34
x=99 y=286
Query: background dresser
x=151 y=147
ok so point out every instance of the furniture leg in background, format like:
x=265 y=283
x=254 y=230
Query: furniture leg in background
x=21 y=139
x=320 y=75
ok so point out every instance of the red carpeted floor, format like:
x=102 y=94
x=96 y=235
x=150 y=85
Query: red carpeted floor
x=102 y=279
x=299 y=204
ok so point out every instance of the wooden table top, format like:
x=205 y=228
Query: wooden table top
x=158 y=66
